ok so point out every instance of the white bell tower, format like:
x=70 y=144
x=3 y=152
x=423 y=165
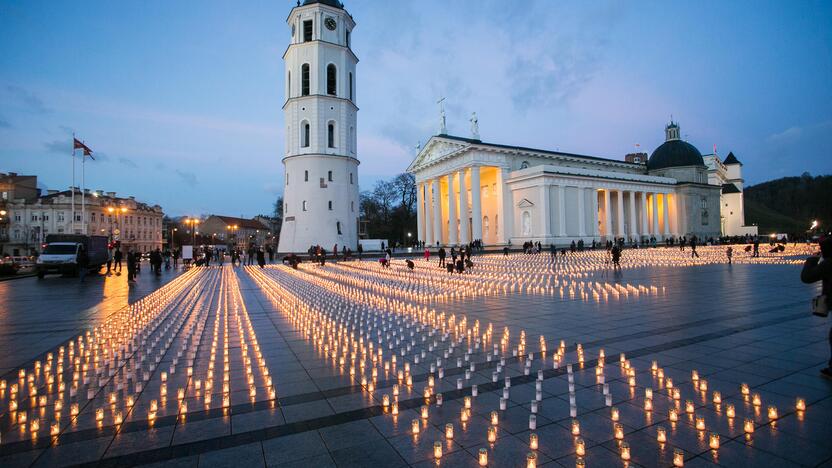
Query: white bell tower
x=320 y=193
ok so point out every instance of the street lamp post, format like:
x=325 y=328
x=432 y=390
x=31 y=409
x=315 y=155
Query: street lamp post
x=193 y=223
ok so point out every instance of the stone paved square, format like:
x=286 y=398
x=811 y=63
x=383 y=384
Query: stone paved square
x=340 y=365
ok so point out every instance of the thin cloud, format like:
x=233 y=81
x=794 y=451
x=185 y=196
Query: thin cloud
x=187 y=177
x=28 y=99
x=59 y=146
x=128 y=162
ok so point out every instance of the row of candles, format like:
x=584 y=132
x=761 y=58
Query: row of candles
x=289 y=288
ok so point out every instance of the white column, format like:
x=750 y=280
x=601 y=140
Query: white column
x=428 y=199
x=581 y=212
x=607 y=220
x=464 y=235
x=595 y=230
x=420 y=212
x=506 y=221
x=561 y=211
x=633 y=224
x=453 y=228
x=437 y=212
x=655 y=231
x=665 y=215
x=645 y=231
x=543 y=194
x=620 y=221
x=476 y=203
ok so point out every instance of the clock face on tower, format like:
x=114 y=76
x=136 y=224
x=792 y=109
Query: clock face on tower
x=330 y=23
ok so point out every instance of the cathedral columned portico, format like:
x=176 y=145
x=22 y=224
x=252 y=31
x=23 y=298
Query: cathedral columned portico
x=470 y=190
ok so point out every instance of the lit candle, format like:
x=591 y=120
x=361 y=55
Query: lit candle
x=661 y=435
x=772 y=412
x=483 y=457
x=625 y=451
x=437 y=450
x=748 y=426
x=531 y=460
x=755 y=400
x=576 y=427
x=714 y=441
x=619 y=431
x=717 y=398
x=673 y=415
x=689 y=407
x=729 y=411
x=700 y=423
x=449 y=431
x=800 y=405
x=678 y=458
x=495 y=418
x=580 y=447
x=533 y=441
x=492 y=434
x=614 y=413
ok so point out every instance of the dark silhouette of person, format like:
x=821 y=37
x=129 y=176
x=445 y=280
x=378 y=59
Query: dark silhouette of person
x=819 y=268
x=117 y=259
x=441 y=254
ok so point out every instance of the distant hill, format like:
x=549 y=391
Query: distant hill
x=789 y=204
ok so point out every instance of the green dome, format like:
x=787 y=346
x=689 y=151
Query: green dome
x=675 y=153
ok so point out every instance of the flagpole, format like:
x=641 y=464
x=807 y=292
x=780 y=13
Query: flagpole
x=72 y=228
x=83 y=189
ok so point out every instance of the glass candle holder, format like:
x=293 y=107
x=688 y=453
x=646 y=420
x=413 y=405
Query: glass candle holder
x=483 y=457
x=678 y=458
x=713 y=441
x=580 y=447
x=661 y=435
x=625 y=451
x=533 y=441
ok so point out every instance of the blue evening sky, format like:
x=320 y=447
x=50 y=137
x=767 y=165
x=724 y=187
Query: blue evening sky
x=181 y=100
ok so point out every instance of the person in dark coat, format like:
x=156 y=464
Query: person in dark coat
x=441 y=254
x=819 y=268
x=117 y=259
x=131 y=266
x=615 y=252
x=156 y=262
x=410 y=264
x=261 y=258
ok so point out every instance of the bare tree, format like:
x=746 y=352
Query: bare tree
x=405 y=184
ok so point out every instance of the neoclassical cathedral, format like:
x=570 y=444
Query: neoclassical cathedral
x=320 y=196
x=468 y=189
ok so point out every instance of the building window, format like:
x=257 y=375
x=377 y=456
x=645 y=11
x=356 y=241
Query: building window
x=329 y=176
x=330 y=135
x=350 y=178
x=307 y=30
x=330 y=205
x=331 y=81
x=289 y=84
x=351 y=143
x=304 y=80
x=304 y=205
x=306 y=176
x=338 y=227
x=304 y=138
x=350 y=84
x=34 y=217
x=352 y=206
x=287 y=178
x=348 y=39
x=485 y=225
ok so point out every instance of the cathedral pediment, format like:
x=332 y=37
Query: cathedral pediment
x=435 y=150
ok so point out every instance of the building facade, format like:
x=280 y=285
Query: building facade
x=728 y=174
x=134 y=224
x=13 y=186
x=321 y=165
x=235 y=232
x=501 y=194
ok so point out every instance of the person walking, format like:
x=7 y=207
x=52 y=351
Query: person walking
x=176 y=255
x=261 y=258
x=615 y=252
x=693 y=253
x=109 y=260
x=441 y=254
x=756 y=247
x=427 y=254
x=117 y=259
x=729 y=252
x=819 y=268
x=360 y=251
x=131 y=266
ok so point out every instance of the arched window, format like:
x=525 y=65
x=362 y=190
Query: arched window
x=350 y=86
x=331 y=81
x=329 y=176
x=350 y=178
x=330 y=205
x=304 y=80
x=305 y=132
x=306 y=176
x=304 y=205
x=289 y=84
x=287 y=178
x=330 y=134
x=527 y=223
x=351 y=142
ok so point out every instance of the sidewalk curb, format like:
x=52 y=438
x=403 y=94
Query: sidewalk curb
x=9 y=278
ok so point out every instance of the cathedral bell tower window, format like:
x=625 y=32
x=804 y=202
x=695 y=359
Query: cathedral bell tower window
x=307 y=30
x=331 y=80
x=304 y=80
